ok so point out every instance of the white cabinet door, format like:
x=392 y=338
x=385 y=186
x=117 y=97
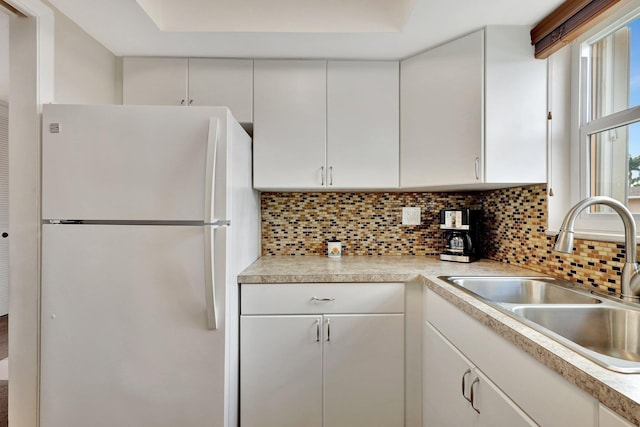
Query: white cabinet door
x=364 y=370
x=496 y=409
x=154 y=81
x=442 y=114
x=445 y=371
x=223 y=82
x=608 y=418
x=280 y=371
x=543 y=394
x=124 y=339
x=456 y=393
x=516 y=108
x=362 y=124
x=289 y=131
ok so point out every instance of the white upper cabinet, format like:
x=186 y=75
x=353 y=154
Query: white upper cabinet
x=227 y=82
x=515 y=108
x=289 y=130
x=441 y=96
x=473 y=113
x=362 y=124
x=190 y=81
x=326 y=125
x=154 y=81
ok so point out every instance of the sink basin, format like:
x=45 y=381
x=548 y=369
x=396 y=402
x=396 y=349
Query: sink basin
x=601 y=329
x=520 y=290
x=608 y=335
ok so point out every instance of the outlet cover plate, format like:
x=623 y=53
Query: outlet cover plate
x=410 y=216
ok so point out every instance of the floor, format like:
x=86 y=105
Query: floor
x=4 y=384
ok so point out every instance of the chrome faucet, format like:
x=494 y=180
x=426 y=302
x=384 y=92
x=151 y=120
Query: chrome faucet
x=630 y=280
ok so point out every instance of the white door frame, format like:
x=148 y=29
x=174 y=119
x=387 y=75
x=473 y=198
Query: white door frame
x=4 y=203
x=31 y=85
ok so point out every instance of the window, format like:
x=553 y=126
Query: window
x=609 y=117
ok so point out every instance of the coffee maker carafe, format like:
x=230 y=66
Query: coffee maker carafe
x=461 y=230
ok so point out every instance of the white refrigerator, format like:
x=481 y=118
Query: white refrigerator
x=148 y=216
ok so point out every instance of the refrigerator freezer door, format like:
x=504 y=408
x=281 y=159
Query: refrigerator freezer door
x=137 y=163
x=125 y=340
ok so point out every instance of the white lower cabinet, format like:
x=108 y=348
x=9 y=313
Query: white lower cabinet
x=281 y=371
x=364 y=370
x=510 y=388
x=322 y=369
x=456 y=393
x=447 y=378
x=608 y=418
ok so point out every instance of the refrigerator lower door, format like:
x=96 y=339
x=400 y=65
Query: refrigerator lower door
x=125 y=339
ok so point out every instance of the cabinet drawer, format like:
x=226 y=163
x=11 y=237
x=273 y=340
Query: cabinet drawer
x=317 y=298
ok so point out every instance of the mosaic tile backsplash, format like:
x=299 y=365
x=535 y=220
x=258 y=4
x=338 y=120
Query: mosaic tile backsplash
x=515 y=220
x=365 y=223
x=300 y=224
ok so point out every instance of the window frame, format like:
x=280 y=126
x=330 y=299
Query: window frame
x=600 y=225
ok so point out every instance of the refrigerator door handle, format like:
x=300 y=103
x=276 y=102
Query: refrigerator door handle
x=210 y=171
x=209 y=276
x=209 y=241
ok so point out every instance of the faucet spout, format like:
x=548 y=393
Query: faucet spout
x=630 y=280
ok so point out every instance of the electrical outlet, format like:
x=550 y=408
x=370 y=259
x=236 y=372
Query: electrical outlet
x=410 y=216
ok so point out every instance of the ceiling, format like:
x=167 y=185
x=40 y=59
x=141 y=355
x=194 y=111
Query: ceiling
x=357 y=29
x=279 y=16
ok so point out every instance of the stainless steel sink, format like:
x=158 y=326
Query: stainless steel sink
x=520 y=290
x=603 y=329
x=608 y=335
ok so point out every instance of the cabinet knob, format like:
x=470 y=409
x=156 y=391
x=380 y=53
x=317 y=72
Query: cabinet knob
x=5 y=235
x=182 y=102
x=191 y=102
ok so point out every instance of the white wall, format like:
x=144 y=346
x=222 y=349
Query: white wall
x=85 y=71
x=4 y=57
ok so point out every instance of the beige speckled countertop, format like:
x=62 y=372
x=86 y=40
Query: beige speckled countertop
x=620 y=392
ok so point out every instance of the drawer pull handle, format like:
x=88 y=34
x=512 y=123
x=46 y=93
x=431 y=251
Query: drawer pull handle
x=477 y=380
x=323 y=299
x=467 y=372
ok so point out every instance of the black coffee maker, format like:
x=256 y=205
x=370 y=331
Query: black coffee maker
x=461 y=233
